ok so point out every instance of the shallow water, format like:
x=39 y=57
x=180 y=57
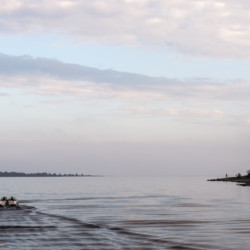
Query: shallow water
x=125 y=213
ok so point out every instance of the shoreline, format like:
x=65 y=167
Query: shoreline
x=51 y=176
x=43 y=174
x=240 y=180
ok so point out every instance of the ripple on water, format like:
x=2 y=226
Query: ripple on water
x=31 y=228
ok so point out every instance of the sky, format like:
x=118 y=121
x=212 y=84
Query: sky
x=125 y=87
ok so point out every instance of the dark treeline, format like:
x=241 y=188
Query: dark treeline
x=44 y=174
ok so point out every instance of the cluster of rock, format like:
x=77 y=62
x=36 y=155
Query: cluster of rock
x=8 y=202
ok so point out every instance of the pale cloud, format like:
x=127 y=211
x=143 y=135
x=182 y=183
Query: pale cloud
x=52 y=77
x=137 y=94
x=209 y=28
x=248 y=121
x=180 y=113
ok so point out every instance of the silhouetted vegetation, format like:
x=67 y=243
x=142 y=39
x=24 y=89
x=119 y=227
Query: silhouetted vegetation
x=238 y=175
x=248 y=173
x=44 y=174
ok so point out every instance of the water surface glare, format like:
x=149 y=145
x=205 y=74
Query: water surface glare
x=124 y=213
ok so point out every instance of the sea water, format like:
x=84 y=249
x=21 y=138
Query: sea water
x=124 y=213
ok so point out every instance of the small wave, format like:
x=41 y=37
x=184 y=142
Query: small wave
x=137 y=237
x=76 y=221
x=26 y=227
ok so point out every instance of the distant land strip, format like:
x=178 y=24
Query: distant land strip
x=43 y=174
x=241 y=180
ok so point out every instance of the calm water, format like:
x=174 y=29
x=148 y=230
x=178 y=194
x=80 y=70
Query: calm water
x=125 y=213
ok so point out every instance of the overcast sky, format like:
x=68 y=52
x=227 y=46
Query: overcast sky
x=125 y=87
